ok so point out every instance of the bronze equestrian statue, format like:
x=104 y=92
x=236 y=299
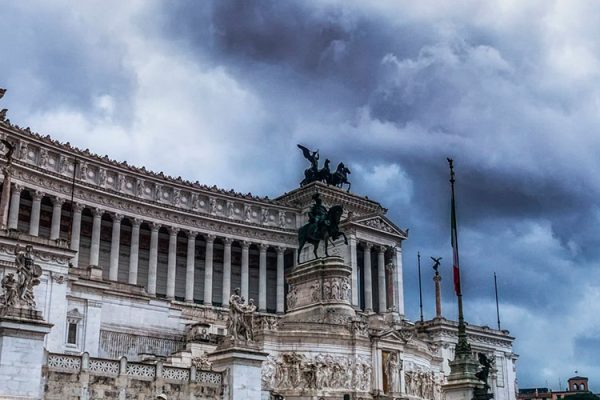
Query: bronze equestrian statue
x=338 y=178
x=323 y=225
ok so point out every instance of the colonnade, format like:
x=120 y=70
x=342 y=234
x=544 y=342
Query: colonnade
x=113 y=267
x=388 y=275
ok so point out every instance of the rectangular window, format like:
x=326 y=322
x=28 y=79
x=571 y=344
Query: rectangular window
x=72 y=333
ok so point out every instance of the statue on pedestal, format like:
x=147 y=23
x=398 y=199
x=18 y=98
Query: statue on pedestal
x=19 y=291
x=323 y=225
x=241 y=317
x=339 y=178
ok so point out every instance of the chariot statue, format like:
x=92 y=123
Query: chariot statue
x=338 y=178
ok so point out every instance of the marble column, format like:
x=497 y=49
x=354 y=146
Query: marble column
x=226 y=271
x=354 y=264
x=399 y=280
x=57 y=204
x=381 y=279
x=172 y=262
x=76 y=210
x=245 y=272
x=153 y=261
x=190 y=266
x=115 y=244
x=280 y=281
x=208 y=270
x=95 y=247
x=134 y=250
x=262 y=277
x=15 y=202
x=367 y=273
x=36 y=205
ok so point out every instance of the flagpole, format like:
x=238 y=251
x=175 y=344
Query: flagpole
x=497 y=306
x=462 y=348
x=420 y=290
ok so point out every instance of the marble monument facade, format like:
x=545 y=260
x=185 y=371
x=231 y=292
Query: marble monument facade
x=140 y=267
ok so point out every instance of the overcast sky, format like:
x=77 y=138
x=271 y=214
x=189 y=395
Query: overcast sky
x=222 y=92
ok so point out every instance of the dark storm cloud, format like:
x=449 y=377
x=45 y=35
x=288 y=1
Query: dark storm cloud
x=60 y=59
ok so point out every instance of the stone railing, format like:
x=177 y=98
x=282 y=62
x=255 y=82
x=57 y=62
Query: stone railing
x=80 y=375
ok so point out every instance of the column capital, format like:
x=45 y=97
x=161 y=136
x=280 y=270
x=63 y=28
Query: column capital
x=280 y=249
x=368 y=245
x=37 y=195
x=18 y=188
x=263 y=247
x=381 y=249
x=77 y=207
x=116 y=217
x=155 y=226
x=97 y=212
x=58 y=201
x=228 y=241
x=210 y=238
x=135 y=222
x=173 y=230
x=191 y=234
x=246 y=244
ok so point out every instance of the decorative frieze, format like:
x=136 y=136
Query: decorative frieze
x=294 y=370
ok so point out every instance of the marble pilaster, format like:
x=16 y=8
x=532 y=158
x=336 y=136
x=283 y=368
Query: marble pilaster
x=57 y=204
x=36 y=205
x=354 y=266
x=245 y=268
x=15 y=202
x=367 y=272
x=262 y=277
x=153 y=261
x=280 y=280
x=226 y=271
x=95 y=247
x=172 y=262
x=115 y=243
x=190 y=266
x=76 y=210
x=134 y=250
x=381 y=279
x=208 y=269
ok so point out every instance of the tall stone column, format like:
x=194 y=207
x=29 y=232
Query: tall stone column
x=15 y=202
x=368 y=284
x=115 y=243
x=437 y=279
x=190 y=266
x=262 y=277
x=399 y=280
x=95 y=247
x=354 y=266
x=208 y=270
x=134 y=250
x=76 y=210
x=153 y=261
x=245 y=272
x=381 y=279
x=280 y=281
x=226 y=271
x=36 y=205
x=57 y=204
x=172 y=262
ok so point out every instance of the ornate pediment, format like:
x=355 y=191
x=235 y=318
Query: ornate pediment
x=381 y=224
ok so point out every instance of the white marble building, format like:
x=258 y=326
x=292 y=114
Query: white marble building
x=142 y=265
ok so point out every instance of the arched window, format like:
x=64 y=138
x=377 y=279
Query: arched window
x=581 y=387
x=574 y=386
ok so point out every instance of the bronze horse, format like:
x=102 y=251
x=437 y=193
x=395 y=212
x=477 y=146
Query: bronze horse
x=323 y=231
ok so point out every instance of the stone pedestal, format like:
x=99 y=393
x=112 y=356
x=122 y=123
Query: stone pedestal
x=242 y=362
x=22 y=332
x=462 y=382
x=320 y=292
